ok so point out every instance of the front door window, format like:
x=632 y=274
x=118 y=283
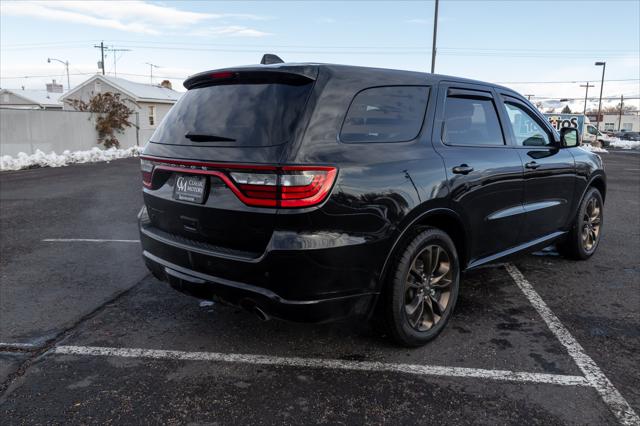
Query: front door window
x=525 y=128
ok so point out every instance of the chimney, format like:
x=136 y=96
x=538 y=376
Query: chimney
x=54 y=88
x=166 y=84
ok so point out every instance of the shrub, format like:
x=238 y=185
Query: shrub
x=113 y=116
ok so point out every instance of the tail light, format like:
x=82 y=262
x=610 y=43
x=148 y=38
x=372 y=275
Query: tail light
x=258 y=186
x=289 y=186
x=146 y=167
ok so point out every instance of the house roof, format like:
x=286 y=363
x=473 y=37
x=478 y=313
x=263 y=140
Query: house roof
x=138 y=91
x=38 y=97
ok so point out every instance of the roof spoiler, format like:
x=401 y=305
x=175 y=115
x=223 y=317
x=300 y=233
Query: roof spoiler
x=270 y=58
x=294 y=75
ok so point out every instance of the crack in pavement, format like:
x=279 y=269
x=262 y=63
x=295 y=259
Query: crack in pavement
x=6 y=387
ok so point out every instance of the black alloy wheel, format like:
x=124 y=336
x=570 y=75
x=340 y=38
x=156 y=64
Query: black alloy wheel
x=422 y=289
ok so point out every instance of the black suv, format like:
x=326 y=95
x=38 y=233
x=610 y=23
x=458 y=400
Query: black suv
x=312 y=192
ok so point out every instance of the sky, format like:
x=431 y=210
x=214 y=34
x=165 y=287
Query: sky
x=542 y=48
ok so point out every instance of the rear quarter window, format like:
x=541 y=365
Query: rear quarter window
x=385 y=114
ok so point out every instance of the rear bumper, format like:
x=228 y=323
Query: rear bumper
x=250 y=297
x=306 y=278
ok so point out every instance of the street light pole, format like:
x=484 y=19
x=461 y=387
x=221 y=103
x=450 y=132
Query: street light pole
x=620 y=112
x=604 y=66
x=66 y=65
x=586 y=93
x=435 y=33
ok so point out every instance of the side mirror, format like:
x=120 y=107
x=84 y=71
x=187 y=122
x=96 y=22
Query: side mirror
x=569 y=137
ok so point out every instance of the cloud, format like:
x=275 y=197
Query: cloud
x=132 y=16
x=326 y=20
x=229 y=31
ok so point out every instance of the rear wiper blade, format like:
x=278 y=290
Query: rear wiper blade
x=197 y=137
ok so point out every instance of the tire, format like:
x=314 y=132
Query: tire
x=586 y=230
x=414 y=281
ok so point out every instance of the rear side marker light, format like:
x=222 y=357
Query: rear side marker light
x=257 y=186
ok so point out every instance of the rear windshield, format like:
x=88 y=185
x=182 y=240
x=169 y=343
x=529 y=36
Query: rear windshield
x=234 y=115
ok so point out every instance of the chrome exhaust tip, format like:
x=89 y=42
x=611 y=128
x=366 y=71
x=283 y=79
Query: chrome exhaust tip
x=262 y=315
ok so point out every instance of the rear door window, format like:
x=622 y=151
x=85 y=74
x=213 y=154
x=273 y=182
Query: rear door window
x=471 y=120
x=238 y=115
x=385 y=114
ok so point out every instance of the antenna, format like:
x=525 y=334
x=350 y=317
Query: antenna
x=270 y=58
x=151 y=67
x=114 y=50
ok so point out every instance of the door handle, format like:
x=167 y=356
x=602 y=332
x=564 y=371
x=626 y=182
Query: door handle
x=532 y=165
x=462 y=169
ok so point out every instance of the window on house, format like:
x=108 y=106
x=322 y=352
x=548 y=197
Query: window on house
x=152 y=115
x=609 y=126
x=97 y=87
x=627 y=126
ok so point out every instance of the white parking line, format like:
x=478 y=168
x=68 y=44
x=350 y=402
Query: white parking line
x=592 y=373
x=335 y=364
x=86 y=240
x=593 y=376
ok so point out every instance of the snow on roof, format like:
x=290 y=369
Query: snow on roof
x=145 y=91
x=139 y=91
x=39 y=97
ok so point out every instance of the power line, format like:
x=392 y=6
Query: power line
x=564 y=81
x=185 y=76
x=269 y=46
x=359 y=50
x=387 y=51
x=42 y=75
x=608 y=98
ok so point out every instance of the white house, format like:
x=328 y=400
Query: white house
x=29 y=99
x=629 y=122
x=151 y=103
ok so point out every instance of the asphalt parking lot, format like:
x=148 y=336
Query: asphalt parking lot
x=88 y=336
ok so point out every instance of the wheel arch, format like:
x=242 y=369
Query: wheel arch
x=444 y=219
x=599 y=182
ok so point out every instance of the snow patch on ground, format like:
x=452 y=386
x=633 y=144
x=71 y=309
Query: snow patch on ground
x=40 y=159
x=619 y=143
x=591 y=148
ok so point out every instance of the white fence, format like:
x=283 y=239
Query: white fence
x=56 y=131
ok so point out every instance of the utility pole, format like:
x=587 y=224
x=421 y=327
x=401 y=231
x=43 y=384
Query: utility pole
x=66 y=65
x=620 y=113
x=435 y=33
x=151 y=67
x=114 y=50
x=586 y=93
x=101 y=47
x=604 y=67
x=529 y=97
